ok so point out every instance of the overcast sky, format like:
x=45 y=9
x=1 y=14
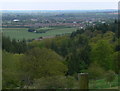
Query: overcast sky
x=58 y=4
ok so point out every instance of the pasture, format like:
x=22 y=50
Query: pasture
x=22 y=33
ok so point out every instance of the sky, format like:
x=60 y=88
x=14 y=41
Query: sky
x=58 y=4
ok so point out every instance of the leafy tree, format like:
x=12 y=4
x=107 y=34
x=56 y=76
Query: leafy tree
x=79 y=31
x=13 y=45
x=23 y=46
x=43 y=62
x=6 y=44
x=10 y=70
x=117 y=46
x=54 y=46
x=102 y=54
x=31 y=29
x=78 y=59
x=95 y=71
x=116 y=63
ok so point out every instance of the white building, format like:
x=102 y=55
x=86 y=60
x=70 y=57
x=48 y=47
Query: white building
x=16 y=20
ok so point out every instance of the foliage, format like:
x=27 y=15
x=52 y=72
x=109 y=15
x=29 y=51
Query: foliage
x=11 y=70
x=102 y=53
x=78 y=58
x=117 y=45
x=110 y=76
x=39 y=30
x=41 y=63
x=55 y=82
x=95 y=71
x=102 y=84
x=116 y=63
x=31 y=30
x=14 y=46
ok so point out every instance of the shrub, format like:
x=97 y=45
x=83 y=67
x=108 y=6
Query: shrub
x=55 y=82
x=110 y=76
x=95 y=71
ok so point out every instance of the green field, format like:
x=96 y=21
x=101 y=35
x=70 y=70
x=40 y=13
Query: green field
x=20 y=33
x=102 y=84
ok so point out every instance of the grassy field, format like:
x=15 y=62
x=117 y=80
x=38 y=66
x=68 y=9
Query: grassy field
x=20 y=33
x=102 y=84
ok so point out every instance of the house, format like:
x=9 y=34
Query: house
x=16 y=20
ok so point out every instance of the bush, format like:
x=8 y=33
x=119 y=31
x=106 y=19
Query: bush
x=95 y=71
x=55 y=82
x=110 y=76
